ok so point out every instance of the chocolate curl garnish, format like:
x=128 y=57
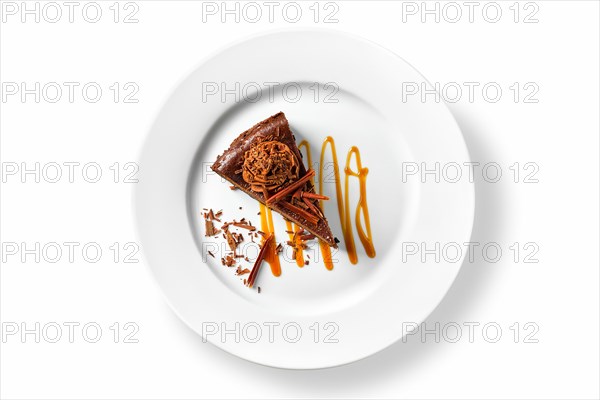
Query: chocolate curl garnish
x=268 y=165
x=210 y=228
x=316 y=210
x=259 y=260
x=303 y=213
x=315 y=196
x=244 y=226
x=291 y=188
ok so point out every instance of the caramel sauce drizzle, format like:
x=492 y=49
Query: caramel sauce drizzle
x=266 y=226
x=325 y=249
x=291 y=227
x=361 y=173
x=343 y=204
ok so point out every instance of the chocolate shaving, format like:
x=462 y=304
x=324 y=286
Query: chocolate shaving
x=231 y=240
x=240 y=238
x=229 y=261
x=209 y=217
x=211 y=254
x=241 y=271
x=210 y=228
x=309 y=236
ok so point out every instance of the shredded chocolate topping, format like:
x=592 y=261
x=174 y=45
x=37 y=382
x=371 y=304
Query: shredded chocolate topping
x=268 y=165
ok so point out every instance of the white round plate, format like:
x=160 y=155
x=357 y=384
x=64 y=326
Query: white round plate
x=327 y=83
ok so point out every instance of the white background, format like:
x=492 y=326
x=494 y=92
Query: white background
x=559 y=294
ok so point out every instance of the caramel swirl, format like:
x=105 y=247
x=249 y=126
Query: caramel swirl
x=268 y=165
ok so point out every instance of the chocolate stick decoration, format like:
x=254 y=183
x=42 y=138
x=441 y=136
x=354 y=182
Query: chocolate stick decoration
x=259 y=260
x=304 y=214
x=289 y=189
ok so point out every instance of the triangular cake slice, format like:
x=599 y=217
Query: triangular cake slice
x=265 y=163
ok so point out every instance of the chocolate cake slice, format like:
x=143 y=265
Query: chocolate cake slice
x=265 y=163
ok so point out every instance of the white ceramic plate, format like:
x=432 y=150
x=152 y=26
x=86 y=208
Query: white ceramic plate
x=327 y=83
